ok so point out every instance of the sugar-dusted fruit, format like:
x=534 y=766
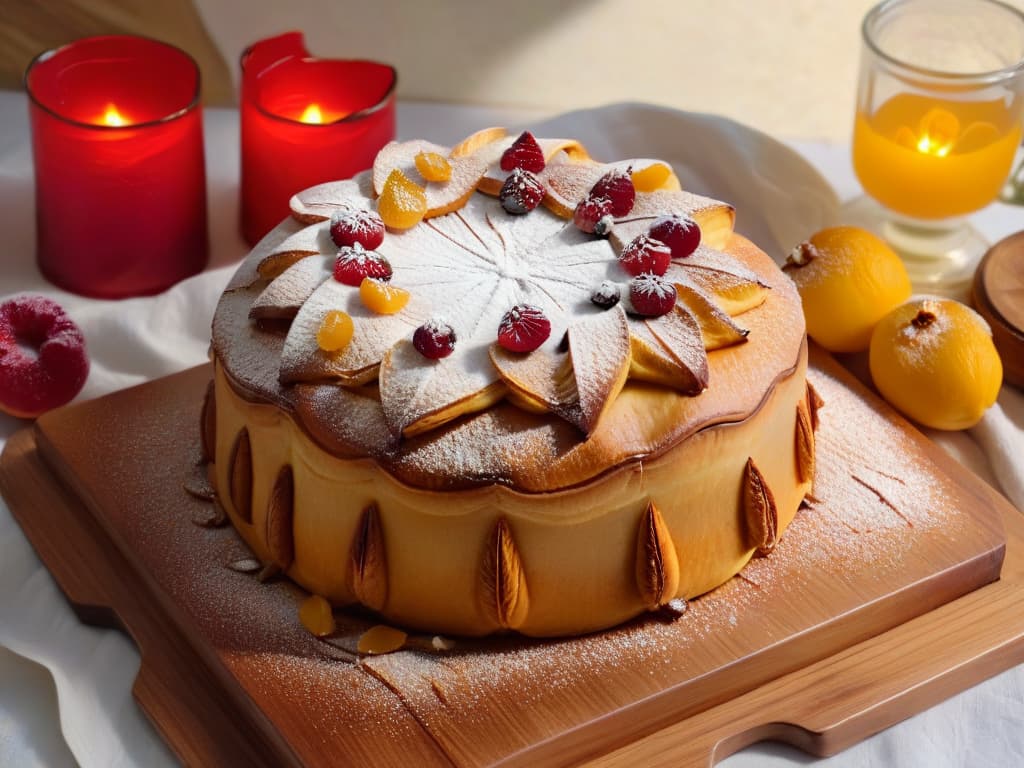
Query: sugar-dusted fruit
x=354 y=263
x=335 y=332
x=645 y=254
x=617 y=186
x=651 y=296
x=523 y=328
x=435 y=339
x=848 y=280
x=606 y=295
x=43 y=359
x=402 y=203
x=680 y=233
x=521 y=192
x=433 y=166
x=524 y=153
x=354 y=226
x=594 y=216
x=381 y=297
x=935 y=361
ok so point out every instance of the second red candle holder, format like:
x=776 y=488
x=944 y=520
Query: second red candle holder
x=306 y=121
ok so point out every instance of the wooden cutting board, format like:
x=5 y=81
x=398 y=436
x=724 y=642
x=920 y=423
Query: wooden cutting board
x=830 y=639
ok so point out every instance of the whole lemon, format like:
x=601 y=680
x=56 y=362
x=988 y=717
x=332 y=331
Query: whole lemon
x=848 y=280
x=934 y=360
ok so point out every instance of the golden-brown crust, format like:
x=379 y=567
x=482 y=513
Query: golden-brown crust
x=566 y=561
x=505 y=444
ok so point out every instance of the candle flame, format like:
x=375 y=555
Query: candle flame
x=312 y=114
x=112 y=117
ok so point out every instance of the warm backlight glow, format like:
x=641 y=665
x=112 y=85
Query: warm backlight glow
x=312 y=114
x=112 y=117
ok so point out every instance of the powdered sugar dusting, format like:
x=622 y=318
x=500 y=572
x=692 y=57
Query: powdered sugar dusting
x=291 y=289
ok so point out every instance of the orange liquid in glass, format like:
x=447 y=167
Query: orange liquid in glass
x=933 y=159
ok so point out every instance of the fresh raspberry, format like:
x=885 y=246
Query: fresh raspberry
x=593 y=215
x=521 y=192
x=645 y=254
x=680 y=233
x=606 y=295
x=618 y=187
x=434 y=339
x=43 y=360
x=354 y=225
x=523 y=328
x=524 y=153
x=355 y=262
x=651 y=296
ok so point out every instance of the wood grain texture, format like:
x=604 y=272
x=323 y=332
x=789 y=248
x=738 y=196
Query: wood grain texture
x=998 y=294
x=853 y=594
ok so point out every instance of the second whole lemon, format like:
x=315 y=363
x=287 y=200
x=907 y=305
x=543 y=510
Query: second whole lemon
x=935 y=361
x=848 y=279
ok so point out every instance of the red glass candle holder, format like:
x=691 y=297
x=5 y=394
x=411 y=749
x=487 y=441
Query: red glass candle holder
x=306 y=121
x=117 y=140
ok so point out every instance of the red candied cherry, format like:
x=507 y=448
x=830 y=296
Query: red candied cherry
x=680 y=233
x=521 y=192
x=434 y=339
x=645 y=254
x=355 y=225
x=618 y=187
x=354 y=263
x=651 y=296
x=523 y=328
x=606 y=295
x=593 y=215
x=524 y=153
x=43 y=361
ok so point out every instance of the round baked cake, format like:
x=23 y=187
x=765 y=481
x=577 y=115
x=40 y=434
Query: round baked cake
x=503 y=386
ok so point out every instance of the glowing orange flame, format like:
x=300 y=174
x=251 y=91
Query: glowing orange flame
x=312 y=114
x=112 y=117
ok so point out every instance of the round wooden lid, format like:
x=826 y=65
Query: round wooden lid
x=999 y=296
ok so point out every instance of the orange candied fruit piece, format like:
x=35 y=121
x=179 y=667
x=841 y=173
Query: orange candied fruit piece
x=316 y=615
x=651 y=178
x=335 y=331
x=402 y=203
x=381 y=297
x=433 y=167
x=381 y=639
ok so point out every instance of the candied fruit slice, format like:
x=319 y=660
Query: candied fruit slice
x=651 y=178
x=316 y=615
x=402 y=203
x=381 y=639
x=335 y=331
x=433 y=167
x=382 y=298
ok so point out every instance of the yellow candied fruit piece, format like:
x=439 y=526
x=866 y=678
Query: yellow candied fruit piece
x=335 y=331
x=316 y=615
x=433 y=167
x=402 y=203
x=381 y=639
x=651 y=178
x=382 y=298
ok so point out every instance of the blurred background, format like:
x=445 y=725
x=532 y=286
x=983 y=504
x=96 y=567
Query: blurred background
x=787 y=67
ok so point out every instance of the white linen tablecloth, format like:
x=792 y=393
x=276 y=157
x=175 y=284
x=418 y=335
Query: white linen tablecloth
x=65 y=688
